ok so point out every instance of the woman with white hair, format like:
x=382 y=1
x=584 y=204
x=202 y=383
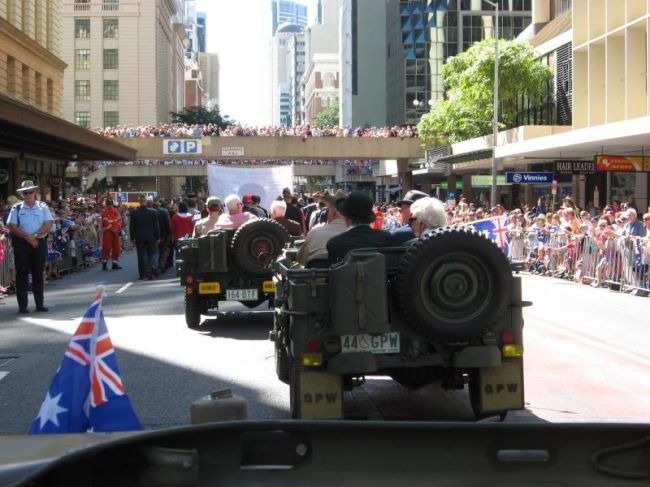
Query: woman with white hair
x=427 y=214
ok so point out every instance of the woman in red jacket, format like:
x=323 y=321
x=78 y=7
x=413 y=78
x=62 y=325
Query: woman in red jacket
x=182 y=224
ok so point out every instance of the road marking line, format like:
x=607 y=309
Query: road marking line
x=594 y=342
x=3 y=375
x=124 y=288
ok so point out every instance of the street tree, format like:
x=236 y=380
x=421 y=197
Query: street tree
x=467 y=110
x=201 y=116
x=327 y=116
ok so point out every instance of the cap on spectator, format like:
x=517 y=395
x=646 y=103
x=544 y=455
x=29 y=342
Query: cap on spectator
x=541 y=216
x=412 y=196
x=213 y=203
x=247 y=198
x=12 y=200
x=357 y=206
x=610 y=213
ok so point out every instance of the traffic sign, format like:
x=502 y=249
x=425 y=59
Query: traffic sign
x=529 y=177
x=182 y=146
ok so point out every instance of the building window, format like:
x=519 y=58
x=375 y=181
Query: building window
x=82 y=59
x=111 y=119
x=110 y=59
x=82 y=90
x=82 y=118
x=110 y=28
x=111 y=89
x=82 y=28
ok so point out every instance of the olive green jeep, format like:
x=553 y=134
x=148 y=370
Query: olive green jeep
x=446 y=308
x=229 y=265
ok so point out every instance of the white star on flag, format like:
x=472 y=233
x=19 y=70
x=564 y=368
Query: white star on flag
x=50 y=409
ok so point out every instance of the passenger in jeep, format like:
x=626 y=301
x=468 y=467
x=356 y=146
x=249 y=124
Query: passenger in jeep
x=315 y=246
x=202 y=227
x=235 y=217
x=427 y=214
x=357 y=210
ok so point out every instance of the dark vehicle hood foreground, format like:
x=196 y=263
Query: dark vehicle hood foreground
x=337 y=453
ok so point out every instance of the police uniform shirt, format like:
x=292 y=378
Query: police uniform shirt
x=31 y=219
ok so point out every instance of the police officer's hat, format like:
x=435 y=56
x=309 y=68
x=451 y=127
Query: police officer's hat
x=27 y=185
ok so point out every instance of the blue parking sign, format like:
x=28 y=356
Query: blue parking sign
x=191 y=147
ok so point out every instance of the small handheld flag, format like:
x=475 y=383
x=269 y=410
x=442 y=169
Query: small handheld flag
x=86 y=393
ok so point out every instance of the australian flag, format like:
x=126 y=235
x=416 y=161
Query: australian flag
x=495 y=228
x=86 y=393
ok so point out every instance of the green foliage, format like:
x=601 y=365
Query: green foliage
x=202 y=116
x=327 y=116
x=469 y=80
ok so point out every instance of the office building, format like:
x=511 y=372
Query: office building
x=125 y=61
x=201 y=33
x=287 y=69
x=287 y=12
x=209 y=67
x=320 y=85
x=432 y=31
x=35 y=142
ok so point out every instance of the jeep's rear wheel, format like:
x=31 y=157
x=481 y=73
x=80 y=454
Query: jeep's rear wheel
x=256 y=244
x=282 y=363
x=294 y=391
x=453 y=283
x=192 y=310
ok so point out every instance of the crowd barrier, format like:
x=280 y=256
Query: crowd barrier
x=621 y=263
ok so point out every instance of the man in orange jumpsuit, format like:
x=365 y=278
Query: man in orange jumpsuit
x=111 y=227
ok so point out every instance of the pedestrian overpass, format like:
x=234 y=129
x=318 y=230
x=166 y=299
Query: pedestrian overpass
x=261 y=148
x=282 y=148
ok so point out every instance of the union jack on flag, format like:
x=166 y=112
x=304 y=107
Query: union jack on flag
x=496 y=228
x=86 y=393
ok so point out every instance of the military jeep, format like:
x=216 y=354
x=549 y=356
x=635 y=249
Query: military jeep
x=230 y=265
x=446 y=308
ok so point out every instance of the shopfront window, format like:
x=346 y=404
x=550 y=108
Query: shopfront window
x=623 y=185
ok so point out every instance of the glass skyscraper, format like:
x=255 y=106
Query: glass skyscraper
x=433 y=30
x=286 y=11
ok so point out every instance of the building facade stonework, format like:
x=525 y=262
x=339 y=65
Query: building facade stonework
x=125 y=61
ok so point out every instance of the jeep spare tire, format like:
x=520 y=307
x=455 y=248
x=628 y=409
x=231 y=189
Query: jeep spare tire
x=453 y=283
x=256 y=244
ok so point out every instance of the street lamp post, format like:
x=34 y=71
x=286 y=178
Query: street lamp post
x=495 y=116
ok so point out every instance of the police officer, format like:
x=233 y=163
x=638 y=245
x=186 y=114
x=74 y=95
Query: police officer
x=29 y=223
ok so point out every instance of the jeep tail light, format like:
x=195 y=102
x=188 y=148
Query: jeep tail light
x=189 y=280
x=313 y=346
x=507 y=337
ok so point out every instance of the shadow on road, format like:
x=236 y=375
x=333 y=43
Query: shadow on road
x=238 y=325
x=161 y=392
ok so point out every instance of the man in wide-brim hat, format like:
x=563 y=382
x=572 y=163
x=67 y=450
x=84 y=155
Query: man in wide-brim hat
x=29 y=223
x=358 y=214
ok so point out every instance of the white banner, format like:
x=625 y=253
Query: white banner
x=266 y=182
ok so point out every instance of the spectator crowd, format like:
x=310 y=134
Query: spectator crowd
x=212 y=130
x=607 y=246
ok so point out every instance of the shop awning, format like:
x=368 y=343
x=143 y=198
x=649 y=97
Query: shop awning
x=27 y=130
x=476 y=155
